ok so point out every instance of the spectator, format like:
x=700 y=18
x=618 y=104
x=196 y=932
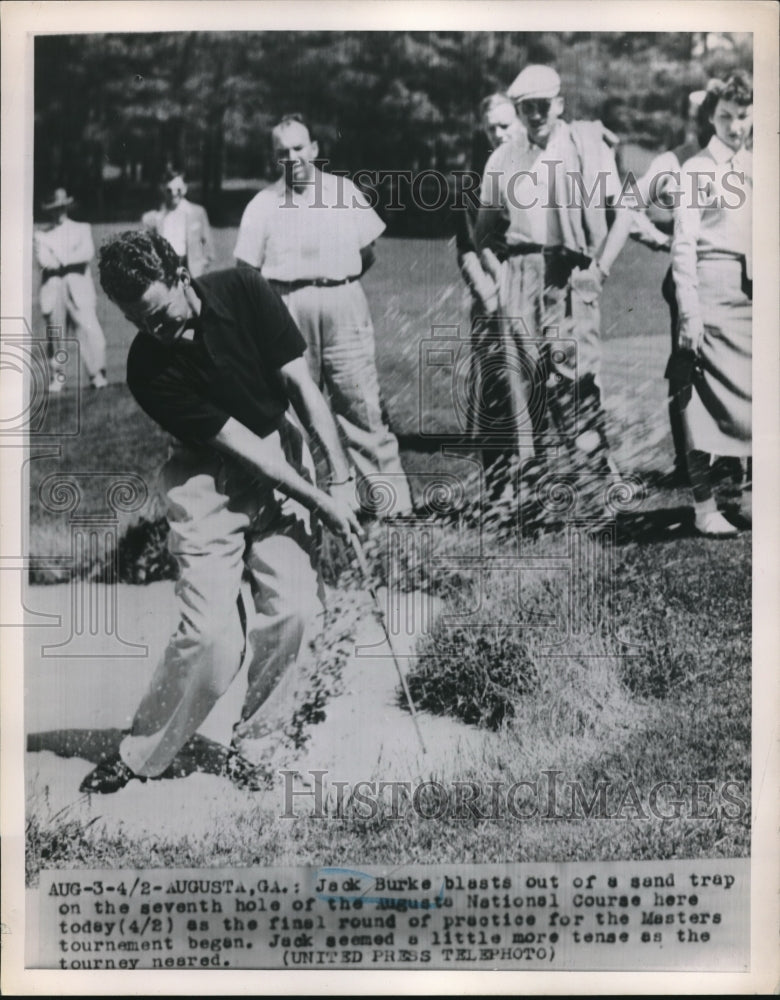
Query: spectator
x=712 y=269
x=63 y=250
x=183 y=224
x=551 y=196
x=656 y=190
x=488 y=413
x=311 y=234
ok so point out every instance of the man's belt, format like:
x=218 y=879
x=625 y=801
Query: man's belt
x=565 y=256
x=521 y=249
x=284 y=287
x=60 y=272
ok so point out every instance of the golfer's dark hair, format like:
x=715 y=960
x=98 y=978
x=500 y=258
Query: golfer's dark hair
x=737 y=88
x=131 y=261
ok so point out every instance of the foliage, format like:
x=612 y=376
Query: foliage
x=376 y=100
x=472 y=673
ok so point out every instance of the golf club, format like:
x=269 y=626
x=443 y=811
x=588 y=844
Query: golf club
x=363 y=564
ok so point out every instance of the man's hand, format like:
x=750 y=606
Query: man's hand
x=487 y=299
x=491 y=264
x=664 y=242
x=690 y=334
x=483 y=286
x=345 y=494
x=588 y=283
x=337 y=515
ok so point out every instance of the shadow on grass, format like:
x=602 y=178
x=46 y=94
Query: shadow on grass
x=663 y=524
x=198 y=755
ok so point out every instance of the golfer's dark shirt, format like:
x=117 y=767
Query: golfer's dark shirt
x=243 y=336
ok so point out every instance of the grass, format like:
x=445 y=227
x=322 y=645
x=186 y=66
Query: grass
x=674 y=708
x=677 y=709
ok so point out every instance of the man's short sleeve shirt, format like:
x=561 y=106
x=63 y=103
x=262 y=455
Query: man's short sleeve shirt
x=317 y=232
x=244 y=335
x=515 y=182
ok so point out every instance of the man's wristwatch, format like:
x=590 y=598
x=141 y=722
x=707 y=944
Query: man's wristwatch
x=342 y=482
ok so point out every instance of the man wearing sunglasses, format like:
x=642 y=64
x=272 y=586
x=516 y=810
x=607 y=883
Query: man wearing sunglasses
x=183 y=224
x=552 y=195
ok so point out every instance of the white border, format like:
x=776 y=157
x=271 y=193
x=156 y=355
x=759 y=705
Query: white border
x=19 y=21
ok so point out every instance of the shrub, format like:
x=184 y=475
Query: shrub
x=479 y=681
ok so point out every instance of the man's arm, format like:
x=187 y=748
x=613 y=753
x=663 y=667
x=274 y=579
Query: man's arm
x=206 y=237
x=249 y=250
x=313 y=411
x=266 y=459
x=615 y=239
x=367 y=258
x=492 y=219
x=43 y=251
x=644 y=232
x=82 y=250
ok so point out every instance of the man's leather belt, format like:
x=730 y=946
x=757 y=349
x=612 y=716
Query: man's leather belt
x=565 y=255
x=60 y=272
x=283 y=287
x=520 y=249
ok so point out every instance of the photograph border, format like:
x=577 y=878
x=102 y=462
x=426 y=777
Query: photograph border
x=20 y=23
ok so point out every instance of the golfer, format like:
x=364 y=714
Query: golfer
x=218 y=362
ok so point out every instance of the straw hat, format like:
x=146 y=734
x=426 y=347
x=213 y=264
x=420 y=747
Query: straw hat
x=59 y=199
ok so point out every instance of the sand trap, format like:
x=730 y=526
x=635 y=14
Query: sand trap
x=81 y=691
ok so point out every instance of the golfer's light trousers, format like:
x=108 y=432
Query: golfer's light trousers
x=220 y=522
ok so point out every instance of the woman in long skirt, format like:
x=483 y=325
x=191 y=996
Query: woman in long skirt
x=712 y=269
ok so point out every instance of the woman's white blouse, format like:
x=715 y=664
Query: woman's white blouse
x=713 y=218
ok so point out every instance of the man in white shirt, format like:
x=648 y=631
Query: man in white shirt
x=184 y=225
x=550 y=197
x=64 y=250
x=311 y=234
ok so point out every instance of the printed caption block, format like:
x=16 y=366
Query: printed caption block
x=660 y=915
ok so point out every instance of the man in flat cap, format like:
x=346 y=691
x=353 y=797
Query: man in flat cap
x=550 y=197
x=63 y=250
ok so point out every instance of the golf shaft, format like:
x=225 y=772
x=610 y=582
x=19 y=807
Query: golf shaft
x=362 y=563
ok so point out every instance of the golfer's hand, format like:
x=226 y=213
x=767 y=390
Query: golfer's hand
x=690 y=334
x=337 y=515
x=345 y=494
